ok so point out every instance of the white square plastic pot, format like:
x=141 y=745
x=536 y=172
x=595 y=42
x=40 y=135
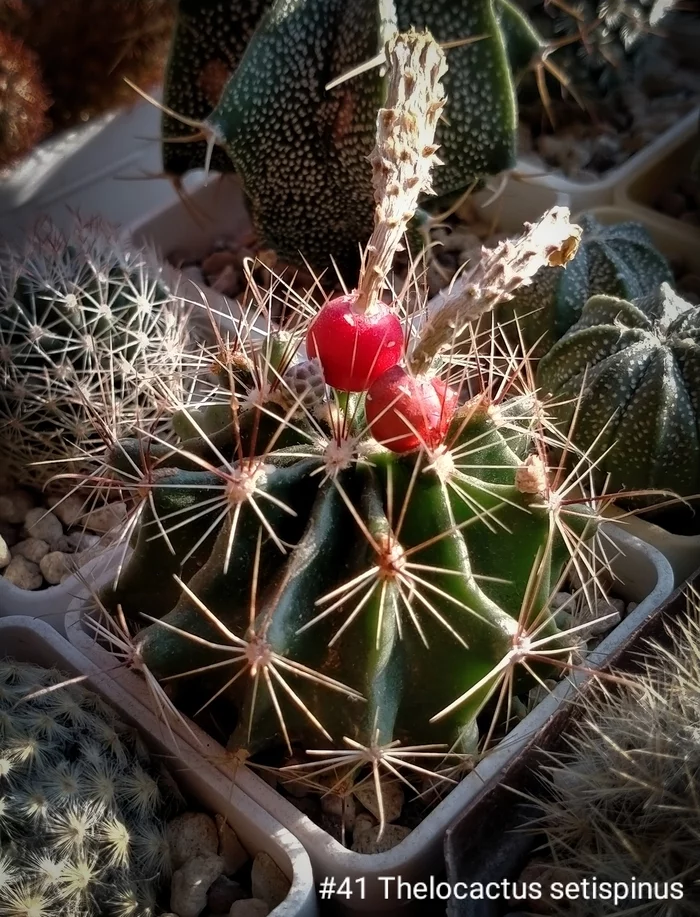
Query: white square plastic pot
x=96 y=169
x=51 y=604
x=643 y=576
x=657 y=169
x=35 y=642
x=607 y=190
x=681 y=551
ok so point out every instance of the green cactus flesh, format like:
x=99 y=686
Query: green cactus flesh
x=618 y=260
x=478 y=136
x=209 y=41
x=302 y=151
x=383 y=579
x=636 y=368
x=82 y=807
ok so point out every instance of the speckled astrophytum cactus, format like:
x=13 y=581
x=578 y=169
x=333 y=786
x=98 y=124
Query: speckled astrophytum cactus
x=617 y=260
x=300 y=144
x=630 y=372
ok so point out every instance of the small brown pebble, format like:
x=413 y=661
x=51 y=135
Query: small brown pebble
x=33 y=549
x=15 y=505
x=42 y=523
x=68 y=509
x=192 y=834
x=23 y=574
x=268 y=882
x=215 y=263
x=106 y=518
x=54 y=567
x=234 y=854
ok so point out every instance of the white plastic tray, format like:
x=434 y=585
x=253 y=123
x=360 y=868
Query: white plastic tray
x=605 y=191
x=51 y=604
x=644 y=577
x=93 y=169
x=36 y=642
x=656 y=169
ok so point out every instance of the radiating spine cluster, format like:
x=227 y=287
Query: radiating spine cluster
x=85 y=329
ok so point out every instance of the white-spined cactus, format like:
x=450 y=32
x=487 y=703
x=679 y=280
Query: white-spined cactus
x=622 y=800
x=85 y=327
x=82 y=807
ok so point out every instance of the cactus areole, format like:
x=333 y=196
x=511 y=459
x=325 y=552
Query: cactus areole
x=355 y=347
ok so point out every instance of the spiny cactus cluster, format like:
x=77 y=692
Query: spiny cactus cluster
x=604 y=35
x=630 y=371
x=621 y=801
x=85 y=327
x=361 y=560
x=617 y=260
x=74 y=58
x=82 y=807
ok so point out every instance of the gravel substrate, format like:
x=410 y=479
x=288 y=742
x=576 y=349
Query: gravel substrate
x=586 y=145
x=45 y=539
x=214 y=875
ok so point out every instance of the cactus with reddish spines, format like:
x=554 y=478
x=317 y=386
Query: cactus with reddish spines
x=85 y=51
x=331 y=588
x=24 y=101
x=83 y=808
x=630 y=372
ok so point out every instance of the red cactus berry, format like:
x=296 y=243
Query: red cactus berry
x=406 y=412
x=353 y=347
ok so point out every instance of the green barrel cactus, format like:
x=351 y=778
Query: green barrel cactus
x=631 y=372
x=406 y=580
x=302 y=149
x=617 y=260
x=339 y=552
x=84 y=327
x=82 y=808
